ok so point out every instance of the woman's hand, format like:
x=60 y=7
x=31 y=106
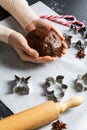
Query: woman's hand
x=19 y=43
x=38 y=24
x=30 y=21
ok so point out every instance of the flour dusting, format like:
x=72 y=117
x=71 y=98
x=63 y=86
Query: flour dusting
x=56 y=6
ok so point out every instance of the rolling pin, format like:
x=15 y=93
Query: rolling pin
x=38 y=116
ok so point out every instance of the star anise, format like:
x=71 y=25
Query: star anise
x=58 y=125
x=80 y=54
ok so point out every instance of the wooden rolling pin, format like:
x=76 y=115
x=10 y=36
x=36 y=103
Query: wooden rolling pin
x=38 y=116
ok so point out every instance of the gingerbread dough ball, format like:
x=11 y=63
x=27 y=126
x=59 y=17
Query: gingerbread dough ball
x=45 y=41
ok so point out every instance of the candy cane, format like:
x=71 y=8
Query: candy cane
x=58 y=19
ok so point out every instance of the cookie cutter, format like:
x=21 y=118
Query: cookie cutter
x=82 y=31
x=81 y=83
x=21 y=86
x=81 y=46
x=55 y=88
x=67 y=39
x=85 y=35
x=73 y=29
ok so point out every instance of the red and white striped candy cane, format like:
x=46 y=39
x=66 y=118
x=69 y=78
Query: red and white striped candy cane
x=70 y=19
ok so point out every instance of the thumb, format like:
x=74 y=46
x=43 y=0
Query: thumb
x=30 y=51
x=31 y=27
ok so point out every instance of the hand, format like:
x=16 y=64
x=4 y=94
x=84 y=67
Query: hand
x=19 y=43
x=40 y=24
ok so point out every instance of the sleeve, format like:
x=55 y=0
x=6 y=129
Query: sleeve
x=4 y=33
x=20 y=10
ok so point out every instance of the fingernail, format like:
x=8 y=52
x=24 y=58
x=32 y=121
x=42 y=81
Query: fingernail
x=52 y=58
x=36 y=54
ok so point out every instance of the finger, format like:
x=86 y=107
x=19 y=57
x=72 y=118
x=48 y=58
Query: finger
x=42 y=23
x=58 y=33
x=60 y=55
x=22 y=44
x=63 y=51
x=30 y=27
x=25 y=57
x=64 y=45
x=30 y=51
x=44 y=59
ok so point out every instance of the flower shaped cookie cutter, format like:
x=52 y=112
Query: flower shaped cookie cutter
x=56 y=89
x=81 y=83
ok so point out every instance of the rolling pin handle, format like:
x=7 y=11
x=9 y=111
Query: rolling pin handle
x=72 y=102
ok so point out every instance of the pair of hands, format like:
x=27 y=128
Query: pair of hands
x=19 y=43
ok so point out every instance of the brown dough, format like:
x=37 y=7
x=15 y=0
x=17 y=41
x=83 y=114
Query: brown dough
x=45 y=41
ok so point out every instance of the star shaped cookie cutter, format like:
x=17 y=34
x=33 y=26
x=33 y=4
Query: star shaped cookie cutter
x=21 y=86
x=55 y=88
x=81 y=83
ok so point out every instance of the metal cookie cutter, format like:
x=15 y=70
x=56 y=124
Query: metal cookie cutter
x=73 y=29
x=81 y=83
x=21 y=86
x=56 y=89
x=68 y=39
x=82 y=31
x=80 y=46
